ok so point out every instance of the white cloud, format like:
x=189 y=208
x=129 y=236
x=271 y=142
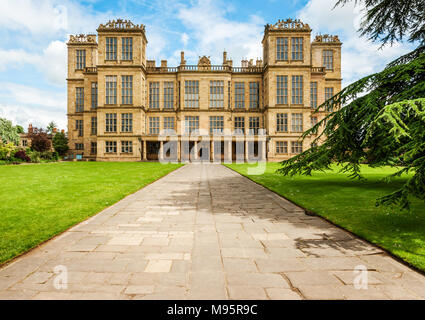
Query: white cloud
x=54 y=62
x=213 y=32
x=360 y=57
x=16 y=58
x=185 y=38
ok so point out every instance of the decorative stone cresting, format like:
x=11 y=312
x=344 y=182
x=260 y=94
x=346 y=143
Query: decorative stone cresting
x=327 y=38
x=82 y=38
x=288 y=24
x=120 y=24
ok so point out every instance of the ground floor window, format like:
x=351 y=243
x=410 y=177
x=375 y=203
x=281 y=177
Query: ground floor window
x=281 y=147
x=154 y=125
x=239 y=125
x=296 y=147
x=127 y=146
x=110 y=146
x=216 y=124
x=79 y=146
x=254 y=125
x=191 y=124
x=93 y=148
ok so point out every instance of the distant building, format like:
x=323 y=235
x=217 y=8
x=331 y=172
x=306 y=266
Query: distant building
x=25 y=138
x=122 y=107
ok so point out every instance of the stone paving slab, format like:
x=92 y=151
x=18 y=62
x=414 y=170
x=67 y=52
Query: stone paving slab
x=206 y=232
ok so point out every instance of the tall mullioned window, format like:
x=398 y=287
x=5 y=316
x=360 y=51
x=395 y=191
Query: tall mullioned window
x=127 y=122
x=282 y=49
x=154 y=95
x=79 y=99
x=329 y=93
x=154 y=125
x=168 y=95
x=127 y=89
x=111 y=48
x=191 y=124
x=297 y=122
x=297 y=89
x=239 y=125
x=126 y=146
x=328 y=59
x=191 y=94
x=110 y=146
x=93 y=125
x=94 y=95
x=313 y=122
x=217 y=94
x=313 y=95
x=111 y=122
x=297 y=48
x=169 y=125
x=282 y=89
x=281 y=147
x=93 y=148
x=254 y=92
x=239 y=95
x=111 y=89
x=254 y=125
x=216 y=124
x=80 y=59
x=80 y=127
x=282 y=122
x=127 y=48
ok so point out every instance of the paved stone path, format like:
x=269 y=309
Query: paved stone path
x=205 y=232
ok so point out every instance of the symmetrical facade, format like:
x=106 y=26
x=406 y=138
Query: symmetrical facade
x=122 y=107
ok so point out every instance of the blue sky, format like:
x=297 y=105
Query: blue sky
x=34 y=35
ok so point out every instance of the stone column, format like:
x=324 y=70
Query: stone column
x=179 y=153
x=195 y=152
x=161 y=150
x=263 y=150
x=229 y=151
x=144 y=150
x=246 y=150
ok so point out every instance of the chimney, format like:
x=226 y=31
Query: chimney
x=30 y=129
x=182 y=60
x=224 y=57
x=259 y=63
x=63 y=131
x=55 y=130
x=250 y=63
x=163 y=63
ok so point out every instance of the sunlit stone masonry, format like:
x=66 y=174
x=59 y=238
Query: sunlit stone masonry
x=122 y=107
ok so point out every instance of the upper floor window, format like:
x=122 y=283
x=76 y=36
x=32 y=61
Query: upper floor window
x=93 y=125
x=126 y=122
x=282 y=122
x=282 y=89
x=111 y=122
x=79 y=126
x=329 y=93
x=216 y=124
x=217 y=94
x=239 y=95
x=297 y=122
x=313 y=122
x=154 y=95
x=81 y=59
x=94 y=95
x=111 y=48
x=191 y=124
x=254 y=92
x=254 y=125
x=328 y=59
x=111 y=89
x=297 y=48
x=127 y=48
x=239 y=125
x=169 y=124
x=168 y=94
x=79 y=99
x=282 y=49
x=297 y=89
x=127 y=89
x=191 y=94
x=313 y=95
x=154 y=125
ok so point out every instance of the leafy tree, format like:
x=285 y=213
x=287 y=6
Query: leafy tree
x=60 y=143
x=40 y=141
x=19 y=129
x=8 y=133
x=382 y=118
x=52 y=125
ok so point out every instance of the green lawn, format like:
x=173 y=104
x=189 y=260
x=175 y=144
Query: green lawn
x=351 y=205
x=39 y=201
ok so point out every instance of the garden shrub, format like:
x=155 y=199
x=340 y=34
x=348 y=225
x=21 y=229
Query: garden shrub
x=22 y=155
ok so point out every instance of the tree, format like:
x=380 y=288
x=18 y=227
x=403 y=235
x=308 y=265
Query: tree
x=382 y=116
x=60 y=143
x=40 y=140
x=19 y=129
x=51 y=126
x=8 y=133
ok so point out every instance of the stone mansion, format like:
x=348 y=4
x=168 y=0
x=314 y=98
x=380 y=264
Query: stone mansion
x=122 y=107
